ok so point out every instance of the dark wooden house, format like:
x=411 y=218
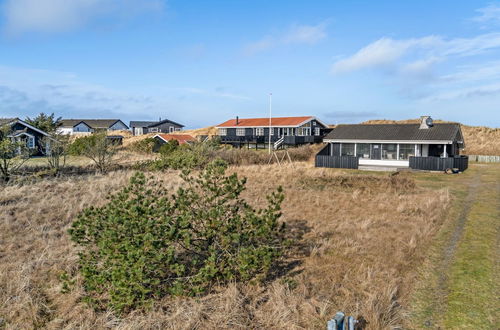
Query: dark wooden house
x=161 y=126
x=280 y=131
x=425 y=146
x=36 y=140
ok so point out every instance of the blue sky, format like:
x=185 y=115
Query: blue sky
x=202 y=62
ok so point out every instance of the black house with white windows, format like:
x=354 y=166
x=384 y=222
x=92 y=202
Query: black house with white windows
x=426 y=146
x=280 y=131
x=161 y=126
x=36 y=140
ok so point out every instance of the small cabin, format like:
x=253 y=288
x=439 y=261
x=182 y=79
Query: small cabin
x=425 y=145
x=37 y=141
x=161 y=126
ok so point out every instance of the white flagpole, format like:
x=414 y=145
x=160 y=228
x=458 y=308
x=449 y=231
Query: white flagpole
x=270 y=116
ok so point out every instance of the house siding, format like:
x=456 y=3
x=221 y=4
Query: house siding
x=118 y=126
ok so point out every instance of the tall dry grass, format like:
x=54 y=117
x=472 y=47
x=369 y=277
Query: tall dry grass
x=358 y=239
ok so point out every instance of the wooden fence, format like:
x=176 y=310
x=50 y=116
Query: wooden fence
x=337 y=161
x=439 y=164
x=484 y=159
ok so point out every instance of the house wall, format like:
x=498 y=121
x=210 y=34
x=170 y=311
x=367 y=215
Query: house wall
x=118 y=126
x=65 y=130
x=167 y=127
x=82 y=128
x=251 y=131
x=422 y=150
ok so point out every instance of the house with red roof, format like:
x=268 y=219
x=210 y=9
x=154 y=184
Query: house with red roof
x=161 y=139
x=279 y=131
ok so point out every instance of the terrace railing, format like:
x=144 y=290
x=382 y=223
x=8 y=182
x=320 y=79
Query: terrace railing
x=323 y=159
x=287 y=140
x=439 y=163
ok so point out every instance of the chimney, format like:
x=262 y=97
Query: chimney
x=425 y=122
x=237 y=120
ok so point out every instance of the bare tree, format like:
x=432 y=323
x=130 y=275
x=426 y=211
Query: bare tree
x=100 y=150
x=56 y=150
x=13 y=154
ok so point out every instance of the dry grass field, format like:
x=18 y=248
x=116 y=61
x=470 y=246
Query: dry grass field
x=358 y=238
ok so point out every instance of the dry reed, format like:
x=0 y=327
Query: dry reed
x=357 y=241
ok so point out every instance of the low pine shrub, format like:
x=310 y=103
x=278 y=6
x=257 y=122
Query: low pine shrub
x=145 y=243
x=143 y=146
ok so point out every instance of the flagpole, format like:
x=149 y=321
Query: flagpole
x=270 y=116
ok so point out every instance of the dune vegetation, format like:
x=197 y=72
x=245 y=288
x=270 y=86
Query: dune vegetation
x=356 y=241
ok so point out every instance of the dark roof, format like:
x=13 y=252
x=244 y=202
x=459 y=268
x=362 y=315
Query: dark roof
x=165 y=121
x=141 y=123
x=395 y=132
x=152 y=123
x=93 y=123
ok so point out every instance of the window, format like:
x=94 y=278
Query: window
x=317 y=131
x=31 y=142
x=240 y=132
x=272 y=130
x=177 y=129
x=406 y=150
x=389 y=151
x=222 y=131
x=347 y=149
x=363 y=150
x=259 y=131
x=171 y=129
x=153 y=130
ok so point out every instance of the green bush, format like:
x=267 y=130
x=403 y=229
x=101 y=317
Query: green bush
x=77 y=146
x=144 y=145
x=145 y=244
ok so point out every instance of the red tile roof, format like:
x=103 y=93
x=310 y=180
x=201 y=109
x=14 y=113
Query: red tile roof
x=276 y=121
x=181 y=138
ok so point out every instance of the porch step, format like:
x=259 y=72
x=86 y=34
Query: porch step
x=380 y=168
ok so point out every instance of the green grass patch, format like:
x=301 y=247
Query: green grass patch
x=473 y=285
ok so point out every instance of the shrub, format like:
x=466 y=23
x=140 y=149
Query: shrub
x=145 y=244
x=169 y=147
x=97 y=147
x=145 y=145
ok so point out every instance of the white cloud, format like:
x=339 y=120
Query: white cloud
x=465 y=93
x=390 y=52
x=488 y=14
x=296 y=34
x=382 y=52
x=308 y=34
x=50 y=16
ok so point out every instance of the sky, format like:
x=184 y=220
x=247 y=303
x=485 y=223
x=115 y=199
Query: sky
x=203 y=62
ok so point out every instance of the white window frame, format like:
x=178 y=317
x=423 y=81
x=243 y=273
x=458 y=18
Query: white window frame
x=177 y=129
x=153 y=130
x=171 y=129
x=30 y=143
x=259 y=131
x=317 y=131
x=239 y=132
x=222 y=131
